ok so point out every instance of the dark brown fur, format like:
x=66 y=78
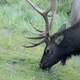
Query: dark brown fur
x=70 y=45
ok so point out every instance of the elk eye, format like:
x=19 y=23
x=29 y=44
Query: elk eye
x=47 y=51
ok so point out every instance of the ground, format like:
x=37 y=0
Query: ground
x=19 y=63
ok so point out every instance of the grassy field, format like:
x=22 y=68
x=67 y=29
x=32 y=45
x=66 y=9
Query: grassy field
x=18 y=63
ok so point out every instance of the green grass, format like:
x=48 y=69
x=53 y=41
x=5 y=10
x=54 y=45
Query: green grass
x=18 y=63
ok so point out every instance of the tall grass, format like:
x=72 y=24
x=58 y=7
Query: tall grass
x=18 y=63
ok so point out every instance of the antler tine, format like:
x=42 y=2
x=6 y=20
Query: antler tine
x=40 y=11
x=51 y=21
x=41 y=37
x=53 y=10
x=34 y=45
x=48 y=10
x=47 y=22
x=36 y=28
x=33 y=32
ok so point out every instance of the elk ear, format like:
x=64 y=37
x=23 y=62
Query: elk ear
x=62 y=28
x=59 y=39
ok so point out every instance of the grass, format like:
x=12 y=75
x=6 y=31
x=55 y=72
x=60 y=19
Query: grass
x=18 y=63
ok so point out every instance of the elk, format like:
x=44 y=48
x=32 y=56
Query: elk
x=61 y=45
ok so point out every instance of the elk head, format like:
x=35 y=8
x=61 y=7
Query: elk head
x=54 y=52
x=51 y=40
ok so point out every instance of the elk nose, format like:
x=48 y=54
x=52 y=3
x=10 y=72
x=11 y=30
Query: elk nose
x=44 y=68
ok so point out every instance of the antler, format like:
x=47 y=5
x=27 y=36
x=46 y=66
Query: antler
x=45 y=36
x=34 y=44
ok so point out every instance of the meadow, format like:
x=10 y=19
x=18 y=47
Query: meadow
x=19 y=63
